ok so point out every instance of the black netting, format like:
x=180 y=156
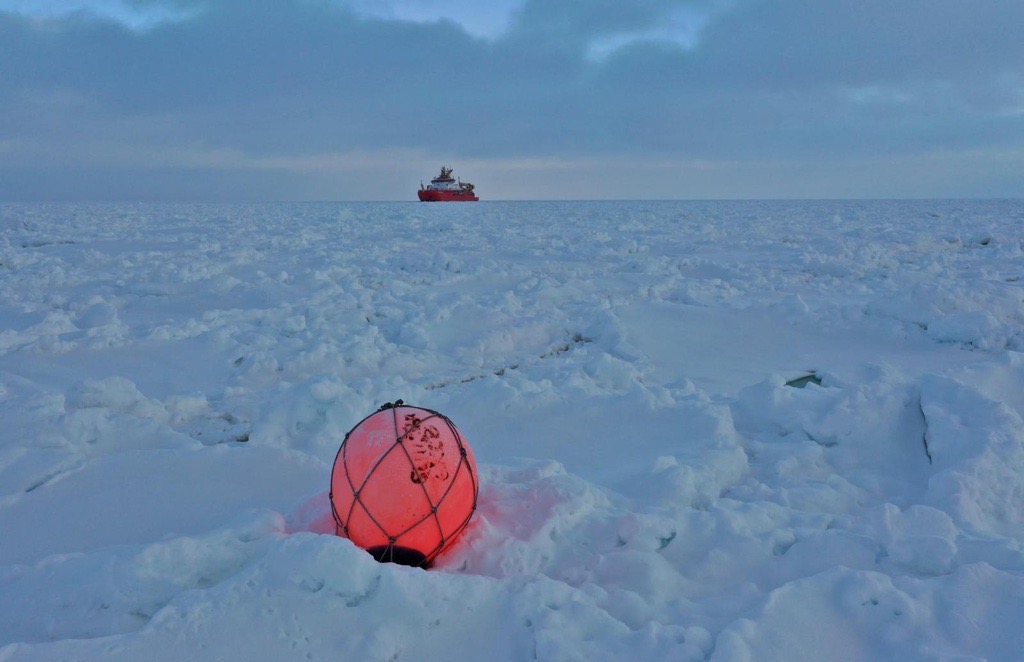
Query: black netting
x=394 y=551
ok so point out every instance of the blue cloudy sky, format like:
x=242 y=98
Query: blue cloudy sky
x=362 y=99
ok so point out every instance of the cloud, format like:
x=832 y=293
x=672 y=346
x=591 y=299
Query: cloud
x=134 y=14
x=240 y=90
x=488 y=20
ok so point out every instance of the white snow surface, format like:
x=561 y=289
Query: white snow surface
x=175 y=381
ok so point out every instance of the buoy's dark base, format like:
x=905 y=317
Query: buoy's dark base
x=399 y=555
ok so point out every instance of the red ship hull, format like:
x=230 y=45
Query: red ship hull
x=435 y=195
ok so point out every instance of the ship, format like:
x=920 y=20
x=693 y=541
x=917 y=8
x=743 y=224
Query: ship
x=444 y=188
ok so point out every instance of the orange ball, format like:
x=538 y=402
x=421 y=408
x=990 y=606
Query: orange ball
x=404 y=484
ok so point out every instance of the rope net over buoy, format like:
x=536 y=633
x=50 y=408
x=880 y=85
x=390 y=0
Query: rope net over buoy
x=404 y=484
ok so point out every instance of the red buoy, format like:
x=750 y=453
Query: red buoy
x=404 y=484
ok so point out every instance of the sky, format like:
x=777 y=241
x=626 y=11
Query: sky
x=239 y=100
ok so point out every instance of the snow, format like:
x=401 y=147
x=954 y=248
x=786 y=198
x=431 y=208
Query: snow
x=705 y=430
